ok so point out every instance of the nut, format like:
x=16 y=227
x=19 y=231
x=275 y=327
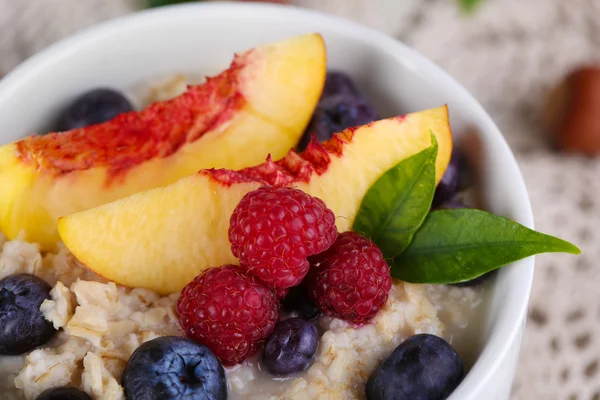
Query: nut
x=572 y=113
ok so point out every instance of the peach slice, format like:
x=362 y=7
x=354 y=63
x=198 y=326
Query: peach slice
x=162 y=238
x=259 y=106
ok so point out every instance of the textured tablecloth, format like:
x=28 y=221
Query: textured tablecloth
x=508 y=55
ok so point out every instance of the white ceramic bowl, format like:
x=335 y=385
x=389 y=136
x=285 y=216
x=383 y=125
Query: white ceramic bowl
x=200 y=38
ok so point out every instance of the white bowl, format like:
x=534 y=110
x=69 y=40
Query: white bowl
x=200 y=38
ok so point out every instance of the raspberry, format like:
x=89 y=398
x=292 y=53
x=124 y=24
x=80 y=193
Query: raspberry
x=351 y=280
x=273 y=230
x=230 y=312
x=281 y=292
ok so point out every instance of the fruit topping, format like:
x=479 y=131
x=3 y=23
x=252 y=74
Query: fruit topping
x=162 y=238
x=466 y=169
x=263 y=102
x=351 y=280
x=448 y=185
x=274 y=229
x=339 y=83
x=63 y=393
x=94 y=107
x=341 y=106
x=229 y=311
x=297 y=301
x=281 y=292
x=423 y=367
x=22 y=324
x=171 y=367
x=291 y=348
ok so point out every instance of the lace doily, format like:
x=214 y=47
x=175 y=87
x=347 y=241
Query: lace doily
x=509 y=54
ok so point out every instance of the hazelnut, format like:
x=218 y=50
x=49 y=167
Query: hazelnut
x=572 y=113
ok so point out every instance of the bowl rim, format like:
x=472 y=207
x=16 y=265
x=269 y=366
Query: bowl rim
x=511 y=317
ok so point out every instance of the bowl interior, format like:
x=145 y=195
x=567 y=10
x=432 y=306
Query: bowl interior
x=198 y=39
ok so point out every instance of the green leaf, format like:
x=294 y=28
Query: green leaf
x=462 y=244
x=158 y=3
x=395 y=206
x=469 y=6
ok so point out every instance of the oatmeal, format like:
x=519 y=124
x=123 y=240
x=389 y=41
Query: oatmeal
x=101 y=324
x=346 y=355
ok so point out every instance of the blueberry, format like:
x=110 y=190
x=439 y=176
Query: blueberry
x=338 y=82
x=63 y=393
x=291 y=348
x=477 y=281
x=466 y=177
x=93 y=107
x=458 y=177
x=22 y=324
x=448 y=185
x=172 y=367
x=341 y=106
x=297 y=300
x=423 y=367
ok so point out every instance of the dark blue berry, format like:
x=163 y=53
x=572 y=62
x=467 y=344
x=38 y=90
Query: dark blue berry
x=338 y=82
x=291 y=348
x=297 y=301
x=341 y=106
x=448 y=185
x=477 y=281
x=63 y=393
x=423 y=367
x=457 y=177
x=93 y=107
x=171 y=367
x=22 y=324
x=466 y=177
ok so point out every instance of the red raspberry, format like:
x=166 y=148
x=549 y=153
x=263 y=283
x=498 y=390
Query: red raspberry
x=273 y=230
x=230 y=312
x=351 y=280
x=281 y=292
